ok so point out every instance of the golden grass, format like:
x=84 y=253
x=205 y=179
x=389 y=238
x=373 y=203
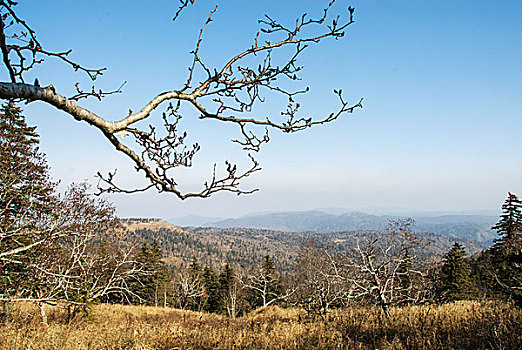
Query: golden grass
x=150 y=225
x=463 y=325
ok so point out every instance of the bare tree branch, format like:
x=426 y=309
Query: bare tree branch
x=184 y=3
x=224 y=93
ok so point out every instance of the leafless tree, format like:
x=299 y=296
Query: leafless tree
x=321 y=279
x=385 y=269
x=227 y=94
x=233 y=297
x=83 y=261
x=264 y=284
x=189 y=290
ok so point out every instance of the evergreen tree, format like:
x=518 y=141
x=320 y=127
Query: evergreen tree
x=509 y=227
x=213 y=290
x=226 y=278
x=484 y=276
x=190 y=288
x=162 y=278
x=506 y=253
x=26 y=200
x=265 y=288
x=195 y=267
x=226 y=281
x=231 y=292
x=152 y=286
x=25 y=183
x=455 y=281
x=50 y=250
x=196 y=276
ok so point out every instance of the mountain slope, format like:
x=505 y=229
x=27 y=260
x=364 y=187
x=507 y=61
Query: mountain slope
x=244 y=248
x=471 y=227
x=306 y=221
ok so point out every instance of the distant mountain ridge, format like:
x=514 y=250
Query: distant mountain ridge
x=306 y=221
x=244 y=248
x=472 y=227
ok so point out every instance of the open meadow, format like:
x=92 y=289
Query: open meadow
x=460 y=325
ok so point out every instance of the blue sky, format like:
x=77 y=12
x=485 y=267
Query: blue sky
x=439 y=130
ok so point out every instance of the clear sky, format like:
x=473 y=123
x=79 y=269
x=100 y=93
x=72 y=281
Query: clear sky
x=440 y=128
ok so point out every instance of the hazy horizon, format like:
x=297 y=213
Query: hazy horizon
x=441 y=84
x=340 y=211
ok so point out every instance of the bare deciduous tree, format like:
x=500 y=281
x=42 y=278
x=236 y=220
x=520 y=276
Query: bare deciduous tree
x=189 y=290
x=321 y=280
x=232 y=298
x=265 y=285
x=81 y=262
x=386 y=270
x=227 y=94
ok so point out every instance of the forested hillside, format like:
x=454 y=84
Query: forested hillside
x=243 y=248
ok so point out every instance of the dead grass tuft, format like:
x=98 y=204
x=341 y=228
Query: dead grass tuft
x=462 y=325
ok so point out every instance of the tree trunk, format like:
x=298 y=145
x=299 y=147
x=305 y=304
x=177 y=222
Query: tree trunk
x=6 y=312
x=69 y=314
x=43 y=312
x=165 y=296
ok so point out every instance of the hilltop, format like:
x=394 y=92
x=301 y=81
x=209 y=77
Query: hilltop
x=135 y=224
x=244 y=248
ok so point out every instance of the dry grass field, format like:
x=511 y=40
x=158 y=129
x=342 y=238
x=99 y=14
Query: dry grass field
x=462 y=325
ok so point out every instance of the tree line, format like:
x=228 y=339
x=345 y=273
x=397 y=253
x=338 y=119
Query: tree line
x=383 y=270
x=69 y=250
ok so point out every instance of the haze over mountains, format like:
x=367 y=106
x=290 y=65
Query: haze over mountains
x=466 y=226
x=244 y=248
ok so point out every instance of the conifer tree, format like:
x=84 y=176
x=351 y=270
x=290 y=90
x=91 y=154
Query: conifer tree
x=195 y=267
x=265 y=287
x=26 y=200
x=484 y=276
x=189 y=289
x=226 y=278
x=231 y=291
x=152 y=285
x=162 y=278
x=50 y=250
x=506 y=253
x=25 y=182
x=455 y=281
x=212 y=288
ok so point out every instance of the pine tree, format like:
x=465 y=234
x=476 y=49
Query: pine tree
x=509 y=227
x=151 y=287
x=161 y=272
x=50 y=250
x=226 y=278
x=195 y=267
x=26 y=200
x=455 y=281
x=275 y=285
x=484 y=275
x=226 y=281
x=212 y=288
x=25 y=182
x=506 y=253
